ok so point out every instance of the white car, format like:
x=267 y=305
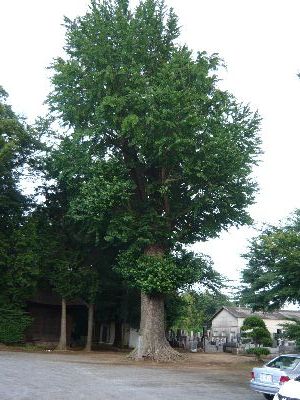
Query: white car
x=269 y=378
x=289 y=390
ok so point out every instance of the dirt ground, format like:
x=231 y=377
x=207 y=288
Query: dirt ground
x=193 y=361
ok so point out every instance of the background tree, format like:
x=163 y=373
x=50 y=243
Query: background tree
x=95 y=275
x=19 y=275
x=167 y=154
x=254 y=330
x=16 y=146
x=61 y=258
x=18 y=256
x=197 y=308
x=291 y=331
x=272 y=275
x=89 y=291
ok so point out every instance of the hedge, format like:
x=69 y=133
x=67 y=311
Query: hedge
x=13 y=323
x=258 y=351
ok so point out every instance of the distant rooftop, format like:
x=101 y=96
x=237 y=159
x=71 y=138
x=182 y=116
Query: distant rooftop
x=244 y=312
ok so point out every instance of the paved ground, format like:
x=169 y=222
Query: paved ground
x=53 y=376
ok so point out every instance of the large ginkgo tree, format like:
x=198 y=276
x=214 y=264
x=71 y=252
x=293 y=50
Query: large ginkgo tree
x=155 y=147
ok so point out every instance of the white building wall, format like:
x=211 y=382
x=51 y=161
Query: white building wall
x=275 y=324
x=225 y=325
x=240 y=322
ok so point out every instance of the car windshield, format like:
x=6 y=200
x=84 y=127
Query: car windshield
x=284 y=362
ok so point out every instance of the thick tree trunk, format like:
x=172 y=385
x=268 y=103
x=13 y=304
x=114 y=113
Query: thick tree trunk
x=89 y=338
x=62 y=345
x=153 y=344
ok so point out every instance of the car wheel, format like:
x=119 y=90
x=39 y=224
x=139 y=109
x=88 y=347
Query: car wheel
x=268 y=396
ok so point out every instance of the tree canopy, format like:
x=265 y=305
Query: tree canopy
x=272 y=275
x=161 y=148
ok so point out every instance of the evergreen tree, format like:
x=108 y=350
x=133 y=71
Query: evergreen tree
x=254 y=329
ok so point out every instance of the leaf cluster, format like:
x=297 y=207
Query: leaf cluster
x=272 y=276
x=165 y=273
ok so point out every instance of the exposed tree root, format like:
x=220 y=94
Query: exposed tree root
x=161 y=353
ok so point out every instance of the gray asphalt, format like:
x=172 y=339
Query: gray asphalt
x=31 y=376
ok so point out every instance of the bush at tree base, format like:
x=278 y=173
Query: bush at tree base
x=258 y=352
x=13 y=323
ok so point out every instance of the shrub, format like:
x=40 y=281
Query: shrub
x=254 y=330
x=292 y=331
x=258 y=352
x=13 y=323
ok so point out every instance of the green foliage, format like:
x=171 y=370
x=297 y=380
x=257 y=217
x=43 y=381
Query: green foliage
x=13 y=323
x=191 y=317
x=61 y=256
x=254 y=329
x=174 y=306
x=291 y=331
x=20 y=278
x=195 y=309
x=164 y=274
x=89 y=283
x=272 y=275
x=258 y=352
x=254 y=322
x=18 y=262
x=17 y=141
x=156 y=150
x=13 y=150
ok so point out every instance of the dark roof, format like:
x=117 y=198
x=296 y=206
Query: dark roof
x=291 y=313
x=243 y=312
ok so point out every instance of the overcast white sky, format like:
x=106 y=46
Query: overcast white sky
x=259 y=41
